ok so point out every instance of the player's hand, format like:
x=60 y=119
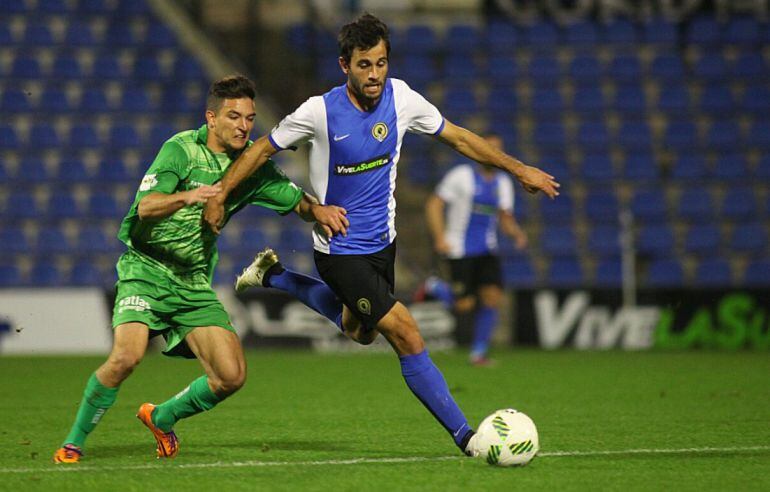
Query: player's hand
x=441 y=246
x=520 y=240
x=202 y=194
x=214 y=213
x=331 y=218
x=534 y=180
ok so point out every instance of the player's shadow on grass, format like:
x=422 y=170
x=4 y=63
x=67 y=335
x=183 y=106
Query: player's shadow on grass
x=122 y=450
x=267 y=445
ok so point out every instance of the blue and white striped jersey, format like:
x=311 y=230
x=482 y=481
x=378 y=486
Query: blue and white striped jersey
x=353 y=157
x=472 y=204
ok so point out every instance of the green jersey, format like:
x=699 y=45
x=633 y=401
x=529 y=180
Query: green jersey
x=181 y=244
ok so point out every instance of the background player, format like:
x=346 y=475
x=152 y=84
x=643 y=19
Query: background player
x=476 y=198
x=164 y=279
x=355 y=132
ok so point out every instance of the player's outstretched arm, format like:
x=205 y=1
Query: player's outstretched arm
x=159 y=205
x=249 y=161
x=474 y=147
x=331 y=218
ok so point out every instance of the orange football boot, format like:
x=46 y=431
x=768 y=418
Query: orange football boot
x=168 y=444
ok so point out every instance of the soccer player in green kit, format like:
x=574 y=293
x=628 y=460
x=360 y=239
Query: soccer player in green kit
x=164 y=278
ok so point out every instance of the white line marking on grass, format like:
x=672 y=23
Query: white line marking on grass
x=359 y=461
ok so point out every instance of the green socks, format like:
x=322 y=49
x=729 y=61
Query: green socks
x=97 y=399
x=192 y=400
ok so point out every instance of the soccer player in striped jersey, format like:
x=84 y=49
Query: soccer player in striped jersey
x=164 y=277
x=476 y=198
x=355 y=133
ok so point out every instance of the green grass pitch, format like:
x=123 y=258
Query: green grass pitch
x=607 y=420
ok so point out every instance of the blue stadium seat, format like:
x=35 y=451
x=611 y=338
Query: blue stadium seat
x=667 y=68
x=66 y=66
x=703 y=30
x=550 y=136
x=80 y=34
x=159 y=36
x=597 y=167
x=94 y=100
x=547 y=101
x=640 y=166
x=176 y=100
x=135 y=99
x=717 y=100
x=253 y=239
x=681 y=136
x=460 y=69
x=9 y=139
x=43 y=136
x=418 y=69
x=655 y=240
x=604 y=240
x=133 y=7
x=124 y=136
x=689 y=166
x=38 y=34
x=630 y=100
x=544 y=69
x=702 y=240
x=503 y=68
x=763 y=167
x=742 y=31
x=696 y=205
x=588 y=100
x=459 y=102
x=421 y=39
x=635 y=135
x=713 y=272
x=113 y=171
x=609 y=272
x=759 y=134
x=740 y=204
x=13 y=240
x=724 y=135
x=518 y=272
x=659 y=31
x=52 y=240
x=26 y=67
x=711 y=67
x=94 y=7
x=102 y=205
x=159 y=133
x=32 y=170
x=558 y=241
x=85 y=272
x=602 y=206
x=120 y=34
x=501 y=36
x=749 y=238
x=625 y=69
x=565 y=272
x=84 y=136
x=14 y=101
x=15 y=7
x=756 y=99
x=649 y=205
x=665 y=272
x=72 y=170
x=757 y=273
x=6 y=36
x=45 y=273
x=557 y=211
x=542 y=34
x=10 y=275
x=731 y=166
x=92 y=240
x=62 y=205
x=47 y=7
x=54 y=100
x=749 y=66
x=621 y=32
x=147 y=68
x=585 y=70
x=593 y=136
x=463 y=38
x=21 y=205
x=502 y=100
x=188 y=68
x=673 y=99
x=581 y=33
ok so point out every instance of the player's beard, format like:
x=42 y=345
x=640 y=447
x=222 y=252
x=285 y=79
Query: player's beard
x=358 y=92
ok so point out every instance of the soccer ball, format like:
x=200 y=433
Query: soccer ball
x=507 y=438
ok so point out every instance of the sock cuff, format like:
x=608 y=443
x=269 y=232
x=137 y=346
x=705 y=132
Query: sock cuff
x=276 y=269
x=415 y=363
x=99 y=395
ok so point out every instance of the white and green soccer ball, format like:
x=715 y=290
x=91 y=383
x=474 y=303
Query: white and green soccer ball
x=507 y=438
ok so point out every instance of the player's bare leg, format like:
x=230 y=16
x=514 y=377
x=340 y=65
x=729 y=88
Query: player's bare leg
x=128 y=348
x=355 y=330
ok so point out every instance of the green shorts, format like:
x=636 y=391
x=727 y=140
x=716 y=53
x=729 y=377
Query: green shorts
x=149 y=295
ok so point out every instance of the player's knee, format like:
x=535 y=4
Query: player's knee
x=364 y=336
x=229 y=381
x=122 y=363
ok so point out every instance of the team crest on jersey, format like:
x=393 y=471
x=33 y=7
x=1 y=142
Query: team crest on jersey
x=364 y=306
x=380 y=131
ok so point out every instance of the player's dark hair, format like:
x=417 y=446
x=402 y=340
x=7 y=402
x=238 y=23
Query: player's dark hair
x=230 y=87
x=363 y=33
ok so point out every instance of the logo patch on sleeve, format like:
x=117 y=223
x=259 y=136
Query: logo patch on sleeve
x=149 y=181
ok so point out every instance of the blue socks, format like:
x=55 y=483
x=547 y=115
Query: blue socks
x=486 y=320
x=312 y=292
x=429 y=386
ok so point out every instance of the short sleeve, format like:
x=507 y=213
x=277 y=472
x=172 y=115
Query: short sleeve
x=421 y=116
x=167 y=170
x=269 y=187
x=452 y=185
x=506 y=195
x=299 y=126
